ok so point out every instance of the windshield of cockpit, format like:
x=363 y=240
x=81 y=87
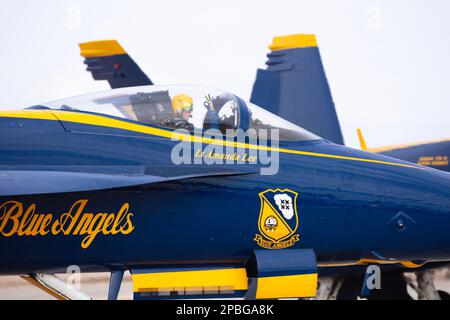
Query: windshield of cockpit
x=174 y=107
x=185 y=107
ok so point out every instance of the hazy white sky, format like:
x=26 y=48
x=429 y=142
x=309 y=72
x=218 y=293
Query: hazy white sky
x=387 y=62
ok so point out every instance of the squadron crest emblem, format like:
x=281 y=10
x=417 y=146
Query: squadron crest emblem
x=278 y=219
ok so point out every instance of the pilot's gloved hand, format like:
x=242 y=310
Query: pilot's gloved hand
x=209 y=104
x=181 y=123
x=177 y=123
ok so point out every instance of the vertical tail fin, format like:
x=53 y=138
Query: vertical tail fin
x=294 y=86
x=107 y=60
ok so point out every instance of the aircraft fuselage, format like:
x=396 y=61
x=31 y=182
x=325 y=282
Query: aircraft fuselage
x=351 y=204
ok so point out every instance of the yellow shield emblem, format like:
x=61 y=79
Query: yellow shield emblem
x=278 y=219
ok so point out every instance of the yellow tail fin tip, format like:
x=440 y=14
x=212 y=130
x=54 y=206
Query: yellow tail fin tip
x=102 y=48
x=293 y=41
x=362 y=142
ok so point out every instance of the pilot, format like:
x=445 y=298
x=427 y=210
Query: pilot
x=182 y=105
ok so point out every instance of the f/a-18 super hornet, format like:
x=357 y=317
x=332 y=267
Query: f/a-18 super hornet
x=201 y=194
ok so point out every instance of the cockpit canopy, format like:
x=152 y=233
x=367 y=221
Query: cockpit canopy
x=183 y=107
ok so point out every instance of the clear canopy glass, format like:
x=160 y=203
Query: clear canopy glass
x=183 y=107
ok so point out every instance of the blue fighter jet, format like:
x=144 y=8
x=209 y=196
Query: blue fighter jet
x=201 y=194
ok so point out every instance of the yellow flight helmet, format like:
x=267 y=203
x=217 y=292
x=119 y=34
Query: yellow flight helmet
x=182 y=102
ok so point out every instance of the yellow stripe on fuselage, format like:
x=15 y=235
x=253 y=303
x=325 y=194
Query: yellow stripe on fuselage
x=29 y=114
x=104 y=121
x=405 y=263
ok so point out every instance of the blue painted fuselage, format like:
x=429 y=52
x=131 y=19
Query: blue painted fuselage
x=347 y=209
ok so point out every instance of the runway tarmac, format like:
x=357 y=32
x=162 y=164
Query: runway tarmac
x=93 y=284
x=96 y=285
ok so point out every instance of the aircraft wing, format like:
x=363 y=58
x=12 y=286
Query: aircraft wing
x=294 y=86
x=14 y=182
x=107 y=60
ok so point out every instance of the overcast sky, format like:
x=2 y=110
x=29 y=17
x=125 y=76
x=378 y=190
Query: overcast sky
x=387 y=62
